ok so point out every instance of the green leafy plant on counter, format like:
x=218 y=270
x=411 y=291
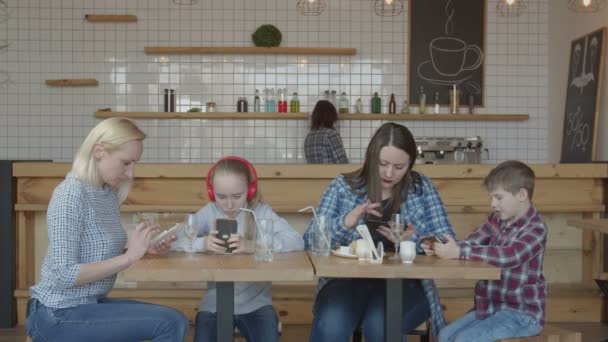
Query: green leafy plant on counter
x=195 y=109
x=267 y=36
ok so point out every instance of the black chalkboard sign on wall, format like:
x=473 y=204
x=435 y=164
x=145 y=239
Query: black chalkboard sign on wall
x=446 y=43
x=583 y=97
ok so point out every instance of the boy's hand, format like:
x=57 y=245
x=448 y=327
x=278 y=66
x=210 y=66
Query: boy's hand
x=448 y=250
x=428 y=250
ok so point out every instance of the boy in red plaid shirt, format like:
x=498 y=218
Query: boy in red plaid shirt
x=513 y=239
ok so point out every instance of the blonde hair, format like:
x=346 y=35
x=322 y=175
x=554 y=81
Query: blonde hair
x=110 y=134
x=239 y=168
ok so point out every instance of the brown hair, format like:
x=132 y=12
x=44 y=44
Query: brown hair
x=511 y=175
x=238 y=168
x=389 y=134
x=323 y=115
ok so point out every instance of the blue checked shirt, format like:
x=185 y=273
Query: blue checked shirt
x=83 y=227
x=423 y=208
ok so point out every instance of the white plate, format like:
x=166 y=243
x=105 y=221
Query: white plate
x=343 y=255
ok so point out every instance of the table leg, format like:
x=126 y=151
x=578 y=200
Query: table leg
x=225 y=311
x=394 y=310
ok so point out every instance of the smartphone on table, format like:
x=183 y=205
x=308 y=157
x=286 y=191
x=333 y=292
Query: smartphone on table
x=225 y=228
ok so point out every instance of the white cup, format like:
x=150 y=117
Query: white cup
x=344 y=249
x=407 y=251
x=364 y=252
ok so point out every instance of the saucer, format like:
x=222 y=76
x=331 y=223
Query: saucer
x=343 y=255
x=427 y=72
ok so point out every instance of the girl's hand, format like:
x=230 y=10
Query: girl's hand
x=353 y=217
x=213 y=244
x=427 y=249
x=448 y=250
x=139 y=241
x=163 y=246
x=240 y=245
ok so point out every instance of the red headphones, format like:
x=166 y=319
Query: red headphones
x=252 y=188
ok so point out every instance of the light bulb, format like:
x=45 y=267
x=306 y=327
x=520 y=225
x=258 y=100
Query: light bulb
x=311 y=1
x=586 y=3
x=389 y=2
x=510 y=2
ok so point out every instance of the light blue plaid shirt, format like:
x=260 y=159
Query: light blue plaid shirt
x=423 y=208
x=83 y=227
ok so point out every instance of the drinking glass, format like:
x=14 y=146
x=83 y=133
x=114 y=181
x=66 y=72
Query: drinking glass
x=264 y=240
x=397 y=225
x=321 y=236
x=191 y=231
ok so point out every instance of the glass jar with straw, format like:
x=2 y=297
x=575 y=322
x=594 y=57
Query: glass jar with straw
x=321 y=235
x=263 y=237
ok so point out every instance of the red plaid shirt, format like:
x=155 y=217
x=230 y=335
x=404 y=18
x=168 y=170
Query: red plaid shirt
x=518 y=249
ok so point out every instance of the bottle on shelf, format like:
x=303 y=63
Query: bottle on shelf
x=269 y=102
x=256 y=101
x=406 y=107
x=358 y=106
x=282 y=100
x=294 y=104
x=471 y=103
x=392 y=105
x=436 y=100
x=343 y=104
x=241 y=105
x=332 y=98
x=166 y=101
x=376 y=104
x=454 y=100
x=421 y=101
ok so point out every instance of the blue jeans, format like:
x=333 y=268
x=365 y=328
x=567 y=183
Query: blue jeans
x=108 y=320
x=342 y=304
x=507 y=323
x=260 y=325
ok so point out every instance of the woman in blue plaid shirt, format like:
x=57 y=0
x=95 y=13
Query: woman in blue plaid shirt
x=386 y=184
x=86 y=249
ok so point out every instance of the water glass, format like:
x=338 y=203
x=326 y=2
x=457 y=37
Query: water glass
x=191 y=231
x=397 y=225
x=264 y=240
x=321 y=236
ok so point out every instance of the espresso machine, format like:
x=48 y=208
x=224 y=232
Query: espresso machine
x=450 y=150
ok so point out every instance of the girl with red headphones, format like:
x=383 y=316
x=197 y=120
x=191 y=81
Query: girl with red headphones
x=232 y=184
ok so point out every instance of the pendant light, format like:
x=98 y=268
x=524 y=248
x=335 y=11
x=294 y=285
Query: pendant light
x=388 y=8
x=586 y=5
x=311 y=7
x=511 y=8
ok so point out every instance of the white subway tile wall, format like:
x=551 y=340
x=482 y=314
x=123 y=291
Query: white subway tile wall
x=49 y=39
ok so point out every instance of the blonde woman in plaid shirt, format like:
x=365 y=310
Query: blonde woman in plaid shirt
x=513 y=239
x=86 y=249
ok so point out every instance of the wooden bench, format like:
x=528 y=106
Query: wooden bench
x=551 y=333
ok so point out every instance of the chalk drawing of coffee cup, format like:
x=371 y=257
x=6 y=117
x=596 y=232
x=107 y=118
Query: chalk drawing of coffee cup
x=449 y=55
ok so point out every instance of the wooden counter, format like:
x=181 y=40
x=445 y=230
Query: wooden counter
x=563 y=192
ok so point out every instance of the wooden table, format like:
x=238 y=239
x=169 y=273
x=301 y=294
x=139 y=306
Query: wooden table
x=424 y=267
x=598 y=225
x=225 y=270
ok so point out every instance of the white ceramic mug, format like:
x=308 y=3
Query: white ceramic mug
x=407 y=251
x=363 y=250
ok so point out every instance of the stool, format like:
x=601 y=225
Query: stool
x=550 y=333
x=423 y=330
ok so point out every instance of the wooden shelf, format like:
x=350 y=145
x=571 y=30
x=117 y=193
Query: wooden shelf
x=597 y=225
x=303 y=116
x=110 y=18
x=72 y=82
x=250 y=50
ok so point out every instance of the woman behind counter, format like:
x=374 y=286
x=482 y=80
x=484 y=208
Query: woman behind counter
x=323 y=144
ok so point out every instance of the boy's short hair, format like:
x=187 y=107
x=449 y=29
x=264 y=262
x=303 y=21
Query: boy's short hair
x=511 y=175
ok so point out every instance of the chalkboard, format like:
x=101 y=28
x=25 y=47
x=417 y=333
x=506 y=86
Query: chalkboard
x=583 y=97
x=447 y=42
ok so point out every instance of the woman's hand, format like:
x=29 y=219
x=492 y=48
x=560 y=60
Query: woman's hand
x=213 y=244
x=448 y=250
x=406 y=235
x=139 y=241
x=241 y=245
x=163 y=245
x=353 y=217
